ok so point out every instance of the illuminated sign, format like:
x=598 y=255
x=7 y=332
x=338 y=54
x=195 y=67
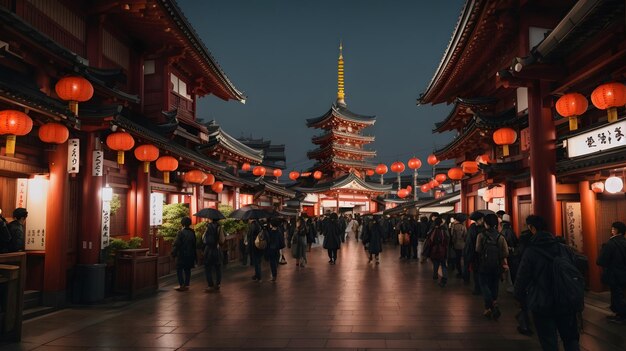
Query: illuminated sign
x=605 y=138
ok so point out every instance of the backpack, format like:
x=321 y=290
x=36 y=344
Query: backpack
x=261 y=240
x=568 y=284
x=490 y=261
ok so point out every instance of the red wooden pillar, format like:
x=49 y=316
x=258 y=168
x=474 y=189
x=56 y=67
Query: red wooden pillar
x=143 y=206
x=542 y=154
x=197 y=201
x=57 y=211
x=89 y=235
x=589 y=227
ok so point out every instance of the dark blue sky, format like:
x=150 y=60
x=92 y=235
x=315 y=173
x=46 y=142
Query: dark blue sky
x=283 y=55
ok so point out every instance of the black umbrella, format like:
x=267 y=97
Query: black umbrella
x=461 y=217
x=256 y=214
x=210 y=213
x=486 y=212
x=238 y=214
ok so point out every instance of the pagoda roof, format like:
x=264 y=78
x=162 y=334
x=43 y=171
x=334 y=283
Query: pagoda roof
x=344 y=162
x=348 y=181
x=277 y=188
x=273 y=154
x=340 y=111
x=320 y=139
x=463 y=111
x=218 y=138
x=335 y=147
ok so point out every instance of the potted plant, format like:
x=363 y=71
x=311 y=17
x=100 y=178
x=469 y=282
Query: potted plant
x=108 y=257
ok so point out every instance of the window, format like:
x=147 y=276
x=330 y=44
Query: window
x=179 y=87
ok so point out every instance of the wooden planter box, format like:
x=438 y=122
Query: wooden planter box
x=12 y=282
x=136 y=272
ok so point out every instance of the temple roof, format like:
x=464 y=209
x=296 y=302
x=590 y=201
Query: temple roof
x=344 y=162
x=341 y=111
x=273 y=155
x=447 y=199
x=349 y=181
x=219 y=138
x=334 y=148
x=357 y=138
x=463 y=111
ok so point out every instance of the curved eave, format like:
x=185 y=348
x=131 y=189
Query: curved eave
x=342 y=114
x=340 y=183
x=350 y=163
x=463 y=110
x=334 y=149
x=332 y=135
x=219 y=138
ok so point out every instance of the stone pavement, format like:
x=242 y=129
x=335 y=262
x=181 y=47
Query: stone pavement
x=351 y=305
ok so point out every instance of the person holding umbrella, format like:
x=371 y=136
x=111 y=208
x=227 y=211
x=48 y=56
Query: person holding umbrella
x=184 y=250
x=212 y=239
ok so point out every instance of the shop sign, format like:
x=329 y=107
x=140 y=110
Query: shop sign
x=524 y=139
x=35 y=228
x=22 y=193
x=156 y=209
x=73 y=155
x=573 y=226
x=98 y=163
x=106 y=224
x=607 y=137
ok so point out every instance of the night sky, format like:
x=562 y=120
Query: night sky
x=283 y=55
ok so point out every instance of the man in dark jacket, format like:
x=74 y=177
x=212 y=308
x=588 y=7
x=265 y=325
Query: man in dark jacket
x=256 y=255
x=332 y=237
x=470 y=259
x=613 y=261
x=533 y=287
x=212 y=238
x=184 y=249
x=492 y=250
x=16 y=228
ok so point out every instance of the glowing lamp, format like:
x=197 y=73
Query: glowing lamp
x=609 y=97
x=245 y=167
x=277 y=173
x=432 y=160
x=597 y=187
x=441 y=177
x=294 y=175
x=369 y=172
x=146 y=153
x=259 y=171
x=414 y=163
x=504 y=137
x=425 y=188
x=74 y=89
x=484 y=159
x=397 y=167
x=166 y=164
x=195 y=177
x=409 y=188
x=433 y=184
x=120 y=142
x=456 y=173
x=317 y=175
x=613 y=184
x=107 y=194
x=381 y=169
x=571 y=106
x=210 y=179
x=402 y=193
x=14 y=123
x=217 y=187
x=53 y=133
x=469 y=167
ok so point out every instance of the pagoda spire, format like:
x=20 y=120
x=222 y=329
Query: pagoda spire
x=340 y=87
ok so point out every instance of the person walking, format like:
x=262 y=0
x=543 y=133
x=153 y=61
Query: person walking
x=352 y=228
x=612 y=259
x=311 y=236
x=212 y=239
x=492 y=252
x=414 y=235
x=438 y=242
x=256 y=254
x=404 y=237
x=275 y=242
x=299 y=242
x=332 y=237
x=535 y=288
x=458 y=235
x=373 y=239
x=512 y=243
x=16 y=230
x=184 y=250
x=470 y=259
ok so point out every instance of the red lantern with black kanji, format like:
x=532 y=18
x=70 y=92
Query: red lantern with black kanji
x=505 y=137
x=571 y=106
x=146 y=153
x=609 y=97
x=166 y=164
x=14 y=123
x=53 y=133
x=74 y=89
x=120 y=142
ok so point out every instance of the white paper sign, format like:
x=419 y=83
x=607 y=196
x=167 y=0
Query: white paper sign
x=98 y=163
x=37 y=200
x=73 y=155
x=604 y=138
x=22 y=193
x=106 y=224
x=156 y=209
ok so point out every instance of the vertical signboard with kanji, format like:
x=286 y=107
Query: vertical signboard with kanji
x=573 y=226
x=106 y=224
x=73 y=155
x=98 y=162
x=156 y=209
x=37 y=200
x=22 y=193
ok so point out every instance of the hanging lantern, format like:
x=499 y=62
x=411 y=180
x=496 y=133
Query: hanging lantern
x=74 y=89
x=425 y=188
x=402 y=193
x=381 y=169
x=369 y=172
x=259 y=171
x=469 y=167
x=166 y=164
x=597 y=187
x=14 y=123
x=217 y=187
x=571 y=106
x=397 y=167
x=294 y=175
x=53 y=133
x=195 y=177
x=613 y=184
x=120 y=142
x=432 y=160
x=245 y=167
x=433 y=183
x=317 y=175
x=277 y=173
x=484 y=159
x=146 y=153
x=409 y=188
x=609 y=97
x=414 y=163
x=441 y=177
x=455 y=173
x=505 y=137
x=210 y=179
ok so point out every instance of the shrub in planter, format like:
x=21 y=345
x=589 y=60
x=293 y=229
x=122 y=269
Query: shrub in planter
x=172 y=214
x=119 y=244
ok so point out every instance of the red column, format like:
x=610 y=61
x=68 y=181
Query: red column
x=54 y=279
x=542 y=154
x=196 y=201
x=143 y=206
x=589 y=227
x=89 y=234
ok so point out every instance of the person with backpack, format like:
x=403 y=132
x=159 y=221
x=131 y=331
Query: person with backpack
x=551 y=287
x=184 y=250
x=212 y=239
x=275 y=243
x=332 y=237
x=438 y=242
x=458 y=235
x=613 y=261
x=470 y=258
x=492 y=251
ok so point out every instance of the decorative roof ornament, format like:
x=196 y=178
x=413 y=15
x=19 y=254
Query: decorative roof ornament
x=341 y=95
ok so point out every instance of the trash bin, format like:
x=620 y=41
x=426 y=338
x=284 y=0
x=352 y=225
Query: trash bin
x=9 y=297
x=89 y=282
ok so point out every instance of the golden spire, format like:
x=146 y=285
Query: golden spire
x=340 y=88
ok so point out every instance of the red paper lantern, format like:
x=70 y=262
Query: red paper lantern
x=166 y=164
x=53 y=133
x=597 y=187
x=195 y=177
x=317 y=175
x=484 y=159
x=432 y=160
x=504 y=137
x=217 y=187
x=369 y=172
x=245 y=167
x=146 y=153
x=294 y=175
x=259 y=171
x=397 y=167
x=609 y=96
x=455 y=173
x=74 y=89
x=381 y=169
x=469 y=167
x=409 y=188
x=120 y=142
x=210 y=179
x=402 y=193
x=571 y=106
x=425 y=188
x=14 y=123
x=277 y=173
x=433 y=183
x=414 y=163
x=441 y=177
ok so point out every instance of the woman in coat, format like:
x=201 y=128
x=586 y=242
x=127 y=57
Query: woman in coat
x=299 y=242
x=184 y=249
x=275 y=242
x=438 y=243
x=333 y=236
x=373 y=239
x=459 y=233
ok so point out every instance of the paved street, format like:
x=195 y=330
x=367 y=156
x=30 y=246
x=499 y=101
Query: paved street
x=352 y=305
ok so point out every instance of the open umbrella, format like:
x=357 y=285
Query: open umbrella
x=486 y=212
x=238 y=214
x=461 y=217
x=256 y=214
x=210 y=213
